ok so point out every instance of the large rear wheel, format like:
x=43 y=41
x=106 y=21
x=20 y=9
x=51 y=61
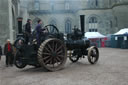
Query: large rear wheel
x=52 y=54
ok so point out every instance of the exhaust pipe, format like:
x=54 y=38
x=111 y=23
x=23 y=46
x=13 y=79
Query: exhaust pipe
x=19 y=20
x=82 y=24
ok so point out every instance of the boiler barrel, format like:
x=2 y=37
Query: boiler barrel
x=76 y=44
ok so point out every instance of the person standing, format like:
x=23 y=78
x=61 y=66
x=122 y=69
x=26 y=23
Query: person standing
x=39 y=31
x=0 y=52
x=8 y=51
x=28 y=30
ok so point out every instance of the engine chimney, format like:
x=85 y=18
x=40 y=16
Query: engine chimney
x=82 y=24
x=19 y=20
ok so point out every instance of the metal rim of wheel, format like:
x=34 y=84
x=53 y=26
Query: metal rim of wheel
x=20 y=64
x=93 y=55
x=18 y=61
x=52 y=54
x=73 y=58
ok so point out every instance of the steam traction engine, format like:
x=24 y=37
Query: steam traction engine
x=51 y=53
x=78 y=46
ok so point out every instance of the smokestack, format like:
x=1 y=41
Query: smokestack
x=19 y=20
x=82 y=23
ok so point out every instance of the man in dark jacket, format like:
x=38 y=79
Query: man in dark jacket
x=8 y=51
x=39 y=31
x=28 y=30
x=0 y=52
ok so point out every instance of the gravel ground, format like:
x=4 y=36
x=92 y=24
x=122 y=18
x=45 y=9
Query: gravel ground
x=111 y=69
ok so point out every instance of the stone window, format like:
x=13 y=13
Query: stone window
x=110 y=2
x=96 y=2
x=93 y=24
x=93 y=3
x=116 y=22
x=68 y=26
x=37 y=5
x=111 y=24
x=67 y=6
x=52 y=6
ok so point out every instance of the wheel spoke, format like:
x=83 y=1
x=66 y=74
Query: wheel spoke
x=57 y=62
x=46 y=53
x=59 y=52
x=55 y=47
x=46 y=57
x=48 y=60
x=58 y=58
x=47 y=49
x=50 y=47
x=59 y=48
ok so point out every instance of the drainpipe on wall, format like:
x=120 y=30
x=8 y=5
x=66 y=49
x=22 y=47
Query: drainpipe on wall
x=10 y=20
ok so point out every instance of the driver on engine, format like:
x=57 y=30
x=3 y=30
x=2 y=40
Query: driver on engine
x=39 y=31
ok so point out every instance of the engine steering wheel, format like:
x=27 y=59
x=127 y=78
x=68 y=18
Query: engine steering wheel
x=51 y=29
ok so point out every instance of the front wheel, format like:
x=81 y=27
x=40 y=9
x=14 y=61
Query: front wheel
x=74 y=58
x=20 y=64
x=93 y=55
x=18 y=61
